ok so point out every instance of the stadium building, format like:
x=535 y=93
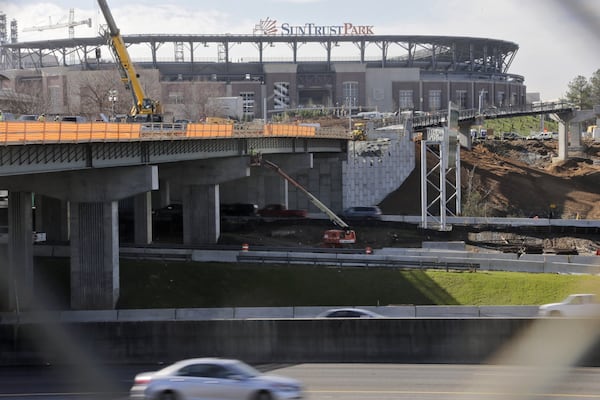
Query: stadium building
x=344 y=66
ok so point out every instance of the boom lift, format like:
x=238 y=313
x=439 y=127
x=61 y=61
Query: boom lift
x=331 y=237
x=148 y=109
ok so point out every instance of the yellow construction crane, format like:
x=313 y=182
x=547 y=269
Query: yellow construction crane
x=71 y=24
x=144 y=108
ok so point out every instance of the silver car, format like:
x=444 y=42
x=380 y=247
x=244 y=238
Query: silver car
x=213 y=378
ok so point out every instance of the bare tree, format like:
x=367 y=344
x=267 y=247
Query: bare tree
x=188 y=100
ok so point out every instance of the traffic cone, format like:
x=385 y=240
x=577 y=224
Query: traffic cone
x=245 y=247
x=368 y=250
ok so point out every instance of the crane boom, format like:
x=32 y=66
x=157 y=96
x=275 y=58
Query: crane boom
x=319 y=204
x=129 y=76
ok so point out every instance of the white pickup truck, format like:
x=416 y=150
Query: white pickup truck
x=575 y=305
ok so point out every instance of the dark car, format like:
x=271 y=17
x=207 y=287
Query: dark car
x=28 y=117
x=239 y=210
x=362 y=212
x=73 y=118
x=348 y=313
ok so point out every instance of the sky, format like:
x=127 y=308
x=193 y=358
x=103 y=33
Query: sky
x=558 y=39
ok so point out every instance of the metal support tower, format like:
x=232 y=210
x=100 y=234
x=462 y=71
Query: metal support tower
x=437 y=180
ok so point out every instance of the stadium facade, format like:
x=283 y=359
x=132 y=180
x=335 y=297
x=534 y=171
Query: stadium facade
x=403 y=73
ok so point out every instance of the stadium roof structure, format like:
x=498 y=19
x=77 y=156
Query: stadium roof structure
x=434 y=53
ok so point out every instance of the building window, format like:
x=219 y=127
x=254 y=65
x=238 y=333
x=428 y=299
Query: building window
x=435 y=100
x=281 y=95
x=248 y=103
x=176 y=98
x=500 y=99
x=350 y=94
x=461 y=98
x=405 y=100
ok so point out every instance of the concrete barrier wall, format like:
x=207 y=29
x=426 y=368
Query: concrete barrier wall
x=426 y=340
x=199 y=314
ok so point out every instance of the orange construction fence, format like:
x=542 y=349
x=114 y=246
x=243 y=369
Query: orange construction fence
x=17 y=132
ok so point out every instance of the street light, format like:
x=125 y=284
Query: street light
x=113 y=97
x=350 y=103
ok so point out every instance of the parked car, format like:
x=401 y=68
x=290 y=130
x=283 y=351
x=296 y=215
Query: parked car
x=348 y=313
x=280 y=211
x=213 y=378
x=28 y=117
x=73 y=118
x=541 y=136
x=362 y=212
x=575 y=305
x=7 y=116
x=510 y=136
x=239 y=210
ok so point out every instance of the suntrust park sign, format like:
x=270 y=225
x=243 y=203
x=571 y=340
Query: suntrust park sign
x=270 y=27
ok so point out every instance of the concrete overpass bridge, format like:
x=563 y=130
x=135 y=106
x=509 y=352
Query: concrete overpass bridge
x=569 y=119
x=80 y=172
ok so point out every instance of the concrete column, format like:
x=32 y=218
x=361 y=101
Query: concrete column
x=162 y=197
x=575 y=138
x=276 y=190
x=20 y=251
x=464 y=136
x=563 y=147
x=201 y=214
x=94 y=255
x=142 y=218
x=52 y=218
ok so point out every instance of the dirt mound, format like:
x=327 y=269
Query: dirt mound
x=517 y=179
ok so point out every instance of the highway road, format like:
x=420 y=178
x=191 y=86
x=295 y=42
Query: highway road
x=333 y=382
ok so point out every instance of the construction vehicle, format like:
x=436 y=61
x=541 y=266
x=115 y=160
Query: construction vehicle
x=358 y=133
x=332 y=237
x=144 y=109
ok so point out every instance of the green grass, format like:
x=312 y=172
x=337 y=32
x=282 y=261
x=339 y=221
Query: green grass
x=178 y=285
x=522 y=125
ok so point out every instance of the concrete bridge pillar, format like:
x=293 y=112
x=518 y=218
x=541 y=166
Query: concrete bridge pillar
x=199 y=182
x=162 y=197
x=93 y=195
x=142 y=218
x=52 y=218
x=464 y=136
x=575 y=135
x=94 y=255
x=20 y=251
x=276 y=191
x=201 y=214
x=563 y=144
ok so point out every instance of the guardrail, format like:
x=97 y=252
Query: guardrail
x=354 y=260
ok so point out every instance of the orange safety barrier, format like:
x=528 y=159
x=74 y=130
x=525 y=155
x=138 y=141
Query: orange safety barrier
x=209 y=130
x=13 y=132
x=289 y=130
x=54 y=132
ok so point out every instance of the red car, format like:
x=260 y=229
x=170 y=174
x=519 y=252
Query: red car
x=280 y=211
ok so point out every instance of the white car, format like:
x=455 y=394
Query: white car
x=575 y=305
x=213 y=378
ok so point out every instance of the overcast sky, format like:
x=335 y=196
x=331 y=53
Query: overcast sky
x=558 y=39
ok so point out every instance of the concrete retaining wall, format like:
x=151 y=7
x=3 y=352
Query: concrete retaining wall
x=427 y=340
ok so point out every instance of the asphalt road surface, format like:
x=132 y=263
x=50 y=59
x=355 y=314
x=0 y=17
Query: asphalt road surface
x=334 y=382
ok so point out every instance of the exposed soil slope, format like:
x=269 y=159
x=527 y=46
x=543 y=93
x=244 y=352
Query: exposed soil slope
x=518 y=178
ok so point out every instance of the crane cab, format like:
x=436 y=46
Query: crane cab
x=338 y=237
